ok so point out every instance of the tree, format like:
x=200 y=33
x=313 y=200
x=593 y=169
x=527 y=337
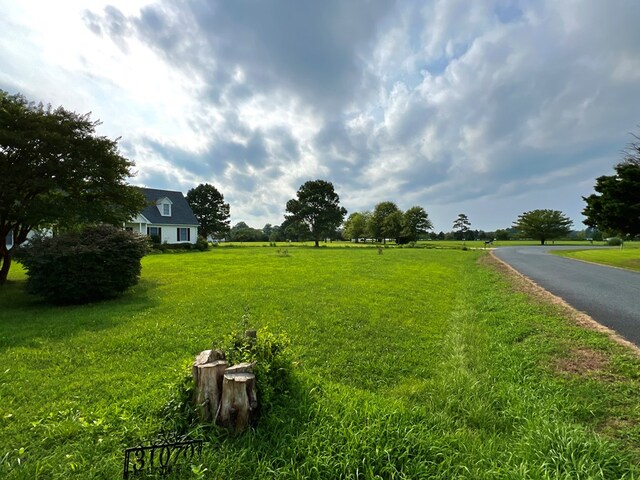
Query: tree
x=416 y=222
x=56 y=172
x=462 y=225
x=616 y=206
x=356 y=226
x=318 y=207
x=377 y=222
x=241 y=232
x=502 y=234
x=209 y=208
x=543 y=225
x=392 y=226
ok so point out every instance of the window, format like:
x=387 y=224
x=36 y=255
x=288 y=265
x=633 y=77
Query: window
x=154 y=231
x=184 y=234
x=166 y=209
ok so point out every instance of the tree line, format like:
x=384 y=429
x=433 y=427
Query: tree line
x=57 y=173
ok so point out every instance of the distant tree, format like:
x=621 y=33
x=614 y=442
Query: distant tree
x=241 y=232
x=377 y=221
x=502 y=234
x=276 y=234
x=318 y=207
x=209 y=208
x=294 y=231
x=461 y=226
x=416 y=223
x=356 y=226
x=392 y=226
x=267 y=230
x=543 y=225
x=616 y=206
x=57 y=172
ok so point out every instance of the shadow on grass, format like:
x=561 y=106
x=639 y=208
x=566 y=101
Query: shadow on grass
x=27 y=320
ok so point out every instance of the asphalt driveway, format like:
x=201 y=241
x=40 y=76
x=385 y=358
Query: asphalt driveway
x=611 y=296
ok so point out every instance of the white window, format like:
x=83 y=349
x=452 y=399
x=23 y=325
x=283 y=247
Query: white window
x=184 y=234
x=166 y=209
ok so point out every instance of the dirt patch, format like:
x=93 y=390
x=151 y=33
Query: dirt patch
x=582 y=361
x=523 y=284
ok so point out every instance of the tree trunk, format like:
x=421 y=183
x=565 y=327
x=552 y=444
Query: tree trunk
x=542 y=241
x=6 y=264
x=208 y=377
x=239 y=403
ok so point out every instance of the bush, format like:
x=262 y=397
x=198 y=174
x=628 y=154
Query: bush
x=202 y=244
x=614 y=242
x=78 y=267
x=273 y=361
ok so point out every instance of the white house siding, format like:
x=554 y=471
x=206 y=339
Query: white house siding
x=168 y=233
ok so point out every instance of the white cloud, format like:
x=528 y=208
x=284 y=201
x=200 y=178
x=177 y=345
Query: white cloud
x=483 y=107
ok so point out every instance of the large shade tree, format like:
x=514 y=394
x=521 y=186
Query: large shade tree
x=543 y=225
x=210 y=209
x=57 y=172
x=356 y=226
x=379 y=226
x=616 y=205
x=416 y=223
x=318 y=207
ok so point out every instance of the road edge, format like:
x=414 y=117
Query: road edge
x=578 y=317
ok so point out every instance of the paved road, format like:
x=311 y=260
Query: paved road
x=611 y=296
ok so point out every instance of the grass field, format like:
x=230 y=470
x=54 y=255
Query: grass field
x=437 y=244
x=628 y=257
x=416 y=363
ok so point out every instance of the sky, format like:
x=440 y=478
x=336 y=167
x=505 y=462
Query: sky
x=489 y=108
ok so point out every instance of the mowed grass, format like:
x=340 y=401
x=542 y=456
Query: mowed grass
x=415 y=363
x=628 y=257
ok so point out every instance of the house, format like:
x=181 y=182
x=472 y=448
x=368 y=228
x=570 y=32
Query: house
x=167 y=216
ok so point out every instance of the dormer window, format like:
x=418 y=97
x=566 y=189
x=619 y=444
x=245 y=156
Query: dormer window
x=164 y=207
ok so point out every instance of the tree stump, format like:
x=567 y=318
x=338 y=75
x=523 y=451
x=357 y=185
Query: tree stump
x=208 y=378
x=239 y=403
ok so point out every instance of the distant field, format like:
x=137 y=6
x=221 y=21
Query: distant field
x=472 y=244
x=628 y=257
x=413 y=363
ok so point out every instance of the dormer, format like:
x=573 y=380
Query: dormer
x=164 y=206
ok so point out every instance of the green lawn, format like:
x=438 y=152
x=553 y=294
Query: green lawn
x=417 y=363
x=629 y=257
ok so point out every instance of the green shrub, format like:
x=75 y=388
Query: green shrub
x=78 y=267
x=614 y=242
x=202 y=244
x=272 y=357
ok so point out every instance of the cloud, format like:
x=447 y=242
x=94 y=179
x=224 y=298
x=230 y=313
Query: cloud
x=457 y=106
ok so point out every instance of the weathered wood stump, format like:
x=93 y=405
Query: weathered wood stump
x=208 y=370
x=239 y=403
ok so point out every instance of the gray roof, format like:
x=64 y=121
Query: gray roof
x=181 y=213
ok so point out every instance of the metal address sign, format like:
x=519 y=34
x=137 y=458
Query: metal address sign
x=159 y=458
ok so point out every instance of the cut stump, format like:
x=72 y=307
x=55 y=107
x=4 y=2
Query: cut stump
x=239 y=403
x=208 y=379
